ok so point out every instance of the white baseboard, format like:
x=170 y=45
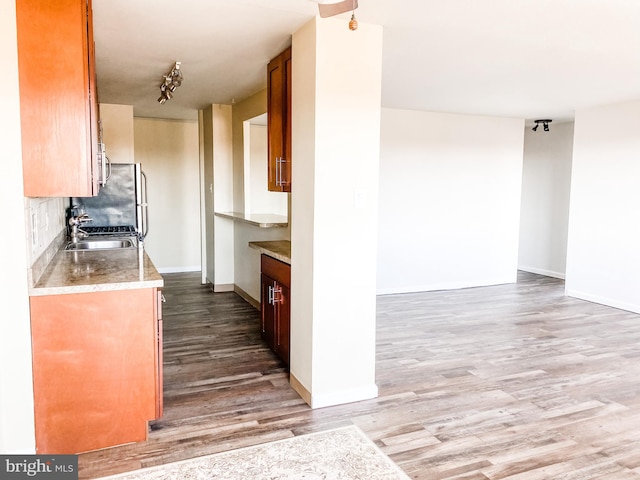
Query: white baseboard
x=247 y=298
x=192 y=268
x=542 y=271
x=223 y=287
x=333 y=398
x=444 y=286
x=608 y=302
x=344 y=396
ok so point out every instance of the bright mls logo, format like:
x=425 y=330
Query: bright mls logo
x=50 y=467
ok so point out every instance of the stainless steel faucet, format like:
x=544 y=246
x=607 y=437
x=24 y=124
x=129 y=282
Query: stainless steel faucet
x=75 y=232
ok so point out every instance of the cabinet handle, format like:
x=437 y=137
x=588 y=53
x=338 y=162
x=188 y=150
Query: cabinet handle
x=270 y=295
x=277 y=291
x=279 y=177
x=103 y=161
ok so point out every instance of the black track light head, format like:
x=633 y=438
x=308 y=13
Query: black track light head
x=545 y=125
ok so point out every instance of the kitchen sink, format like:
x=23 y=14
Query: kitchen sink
x=101 y=244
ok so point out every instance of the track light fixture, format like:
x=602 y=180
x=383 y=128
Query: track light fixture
x=545 y=125
x=171 y=82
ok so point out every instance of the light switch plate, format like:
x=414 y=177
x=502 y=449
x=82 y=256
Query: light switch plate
x=359 y=199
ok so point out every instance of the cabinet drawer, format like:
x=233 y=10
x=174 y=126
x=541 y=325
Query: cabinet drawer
x=279 y=271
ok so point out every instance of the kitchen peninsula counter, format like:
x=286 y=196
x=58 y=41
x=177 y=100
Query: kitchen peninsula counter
x=97 y=270
x=278 y=249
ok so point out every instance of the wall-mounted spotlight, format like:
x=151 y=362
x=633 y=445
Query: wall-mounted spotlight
x=172 y=80
x=545 y=125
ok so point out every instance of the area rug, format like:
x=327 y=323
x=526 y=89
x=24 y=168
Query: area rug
x=340 y=454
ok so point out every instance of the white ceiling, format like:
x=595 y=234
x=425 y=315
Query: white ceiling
x=518 y=58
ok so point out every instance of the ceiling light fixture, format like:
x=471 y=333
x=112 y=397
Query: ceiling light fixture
x=353 y=23
x=171 y=81
x=329 y=8
x=545 y=125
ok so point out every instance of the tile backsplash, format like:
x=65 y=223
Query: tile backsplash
x=45 y=222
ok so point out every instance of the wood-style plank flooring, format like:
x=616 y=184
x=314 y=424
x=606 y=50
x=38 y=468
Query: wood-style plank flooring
x=512 y=381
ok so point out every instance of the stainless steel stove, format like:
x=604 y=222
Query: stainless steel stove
x=120 y=208
x=110 y=230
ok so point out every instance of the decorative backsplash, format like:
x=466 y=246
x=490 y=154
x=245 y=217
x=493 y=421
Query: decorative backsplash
x=45 y=225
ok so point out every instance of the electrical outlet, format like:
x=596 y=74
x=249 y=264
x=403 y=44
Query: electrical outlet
x=359 y=198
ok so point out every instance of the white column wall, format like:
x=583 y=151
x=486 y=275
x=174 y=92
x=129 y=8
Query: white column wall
x=336 y=135
x=205 y=119
x=223 y=196
x=603 y=257
x=218 y=195
x=449 y=200
x=544 y=214
x=17 y=431
x=303 y=206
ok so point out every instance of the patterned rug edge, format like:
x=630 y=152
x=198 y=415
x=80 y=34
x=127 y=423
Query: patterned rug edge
x=194 y=468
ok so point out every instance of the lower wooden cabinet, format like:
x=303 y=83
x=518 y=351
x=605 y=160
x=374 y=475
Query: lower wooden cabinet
x=275 y=282
x=97 y=368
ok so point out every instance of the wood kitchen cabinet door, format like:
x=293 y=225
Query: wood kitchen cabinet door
x=279 y=122
x=283 y=323
x=274 y=306
x=58 y=98
x=94 y=369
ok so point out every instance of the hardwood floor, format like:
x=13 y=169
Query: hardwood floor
x=512 y=381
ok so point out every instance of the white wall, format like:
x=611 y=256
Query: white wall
x=603 y=257
x=544 y=214
x=258 y=198
x=336 y=149
x=243 y=111
x=117 y=132
x=169 y=153
x=17 y=433
x=449 y=200
x=246 y=266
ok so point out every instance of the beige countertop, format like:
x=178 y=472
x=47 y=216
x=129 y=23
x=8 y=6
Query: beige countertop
x=278 y=249
x=261 y=220
x=97 y=270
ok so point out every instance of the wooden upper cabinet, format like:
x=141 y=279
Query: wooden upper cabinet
x=279 y=122
x=58 y=98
